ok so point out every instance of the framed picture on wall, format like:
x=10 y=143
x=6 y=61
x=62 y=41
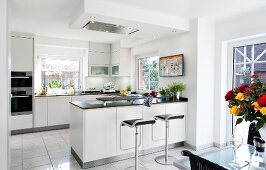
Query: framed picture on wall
x=171 y=66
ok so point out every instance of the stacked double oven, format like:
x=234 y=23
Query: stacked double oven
x=21 y=101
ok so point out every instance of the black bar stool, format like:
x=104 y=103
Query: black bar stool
x=136 y=123
x=166 y=159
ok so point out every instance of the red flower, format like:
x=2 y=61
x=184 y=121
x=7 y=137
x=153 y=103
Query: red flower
x=229 y=95
x=262 y=101
x=242 y=88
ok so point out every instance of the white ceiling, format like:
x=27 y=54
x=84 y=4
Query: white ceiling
x=52 y=17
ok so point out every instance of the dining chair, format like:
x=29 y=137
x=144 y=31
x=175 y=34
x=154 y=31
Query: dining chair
x=252 y=132
x=199 y=163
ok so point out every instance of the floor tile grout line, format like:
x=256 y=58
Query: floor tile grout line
x=48 y=153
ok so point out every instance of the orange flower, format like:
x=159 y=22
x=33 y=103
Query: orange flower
x=240 y=97
x=256 y=106
x=263 y=110
x=234 y=110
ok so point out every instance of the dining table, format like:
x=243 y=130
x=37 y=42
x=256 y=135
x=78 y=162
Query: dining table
x=245 y=157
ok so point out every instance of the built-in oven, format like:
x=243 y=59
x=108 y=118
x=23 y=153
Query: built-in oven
x=21 y=90
x=21 y=103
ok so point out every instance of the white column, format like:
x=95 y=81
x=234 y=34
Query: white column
x=4 y=86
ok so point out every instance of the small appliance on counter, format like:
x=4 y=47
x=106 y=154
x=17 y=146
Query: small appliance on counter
x=108 y=87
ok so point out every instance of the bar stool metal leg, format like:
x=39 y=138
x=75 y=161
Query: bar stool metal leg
x=166 y=159
x=136 y=149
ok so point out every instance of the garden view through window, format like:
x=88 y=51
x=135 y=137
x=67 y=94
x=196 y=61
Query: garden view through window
x=65 y=72
x=248 y=60
x=148 y=73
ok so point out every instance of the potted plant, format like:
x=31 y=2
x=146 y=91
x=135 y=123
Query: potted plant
x=129 y=89
x=165 y=92
x=54 y=86
x=248 y=102
x=177 y=88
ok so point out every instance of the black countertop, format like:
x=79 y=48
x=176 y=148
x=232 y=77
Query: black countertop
x=93 y=104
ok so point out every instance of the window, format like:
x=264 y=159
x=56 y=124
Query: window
x=65 y=71
x=148 y=73
x=248 y=60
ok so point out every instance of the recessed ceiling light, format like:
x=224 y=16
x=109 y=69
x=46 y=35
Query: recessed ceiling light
x=92 y=17
x=174 y=30
x=138 y=25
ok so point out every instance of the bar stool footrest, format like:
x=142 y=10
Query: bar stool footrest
x=161 y=160
x=140 y=167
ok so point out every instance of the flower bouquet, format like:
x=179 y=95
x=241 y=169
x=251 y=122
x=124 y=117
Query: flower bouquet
x=248 y=102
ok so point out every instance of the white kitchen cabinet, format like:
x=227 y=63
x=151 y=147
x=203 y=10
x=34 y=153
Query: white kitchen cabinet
x=153 y=135
x=177 y=127
x=19 y=122
x=121 y=59
x=40 y=112
x=22 y=53
x=125 y=134
x=100 y=133
x=58 y=110
x=99 y=71
x=99 y=47
x=99 y=58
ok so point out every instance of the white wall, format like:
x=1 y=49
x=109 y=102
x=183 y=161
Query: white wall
x=247 y=25
x=4 y=86
x=198 y=49
x=185 y=43
x=205 y=82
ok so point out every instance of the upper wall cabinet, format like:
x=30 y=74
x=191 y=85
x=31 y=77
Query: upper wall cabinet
x=22 y=53
x=99 y=59
x=99 y=47
x=121 y=61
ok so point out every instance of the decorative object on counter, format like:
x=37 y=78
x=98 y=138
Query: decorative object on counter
x=71 y=91
x=165 y=92
x=176 y=89
x=248 y=102
x=123 y=92
x=54 y=87
x=148 y=98
x=109 y=87
x=171 y=66
x=42 y=91
x=129 y=89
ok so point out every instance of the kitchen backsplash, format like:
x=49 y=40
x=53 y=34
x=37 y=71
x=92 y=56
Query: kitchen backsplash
x=97 y=82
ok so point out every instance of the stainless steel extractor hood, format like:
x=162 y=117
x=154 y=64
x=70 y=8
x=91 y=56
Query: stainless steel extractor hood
x=109 y=28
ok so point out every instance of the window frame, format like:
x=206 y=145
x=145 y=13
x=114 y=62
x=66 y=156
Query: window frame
x=137 y=69
x=58 y=57
x=229 y=46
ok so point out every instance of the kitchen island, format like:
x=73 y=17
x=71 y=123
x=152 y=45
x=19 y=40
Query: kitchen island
x=97 y=138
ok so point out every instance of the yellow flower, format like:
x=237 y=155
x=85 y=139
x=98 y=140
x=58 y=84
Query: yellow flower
x=234 y=110
x=240 y=97
x=256 y=106
x=263 y=110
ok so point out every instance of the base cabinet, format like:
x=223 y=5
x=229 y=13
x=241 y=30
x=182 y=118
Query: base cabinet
x=40 y=112
x=177 y=127
x=100 y=133
x=21 y=122
x=153 y=135
x=125 y=134
x=58 y=111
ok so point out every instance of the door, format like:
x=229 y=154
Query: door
x=126 y=135
x=21 y=54
x=58 y=110
x=153 y=135
x=177 y=127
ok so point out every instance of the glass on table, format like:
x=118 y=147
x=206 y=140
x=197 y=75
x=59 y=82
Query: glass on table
x=235 y=141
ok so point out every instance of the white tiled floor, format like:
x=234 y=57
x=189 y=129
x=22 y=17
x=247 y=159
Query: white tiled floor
x=51 y=151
